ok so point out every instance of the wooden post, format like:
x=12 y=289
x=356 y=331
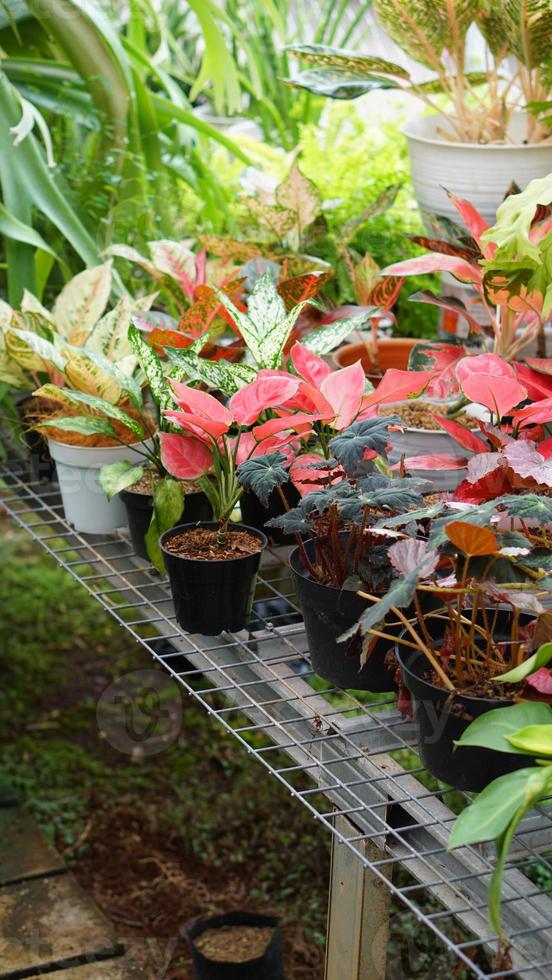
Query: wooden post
x=358 y=912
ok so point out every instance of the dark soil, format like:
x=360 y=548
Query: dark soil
x=205 y=544
x=150 y=478
x=421 y=415
x=234 y=944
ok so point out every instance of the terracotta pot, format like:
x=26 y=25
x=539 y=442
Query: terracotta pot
x=393 y=352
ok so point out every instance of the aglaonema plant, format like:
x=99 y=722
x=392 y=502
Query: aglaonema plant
x=524 y=728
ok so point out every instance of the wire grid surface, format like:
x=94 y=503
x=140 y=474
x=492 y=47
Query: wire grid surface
x=336 y=754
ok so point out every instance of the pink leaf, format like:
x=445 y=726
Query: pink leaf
x=537 y=385
x=185 y=457
x=526 y=462
x=300 y=422
x=474 y=222
x=483 y=464
x=344 y=390
x=195 y=401
x=540 y=412
x=197 y=425
x=489 y=381
x=541 y=681
x=463 y=436
x=265 y=392
x=459 y=268
x=397 y=386
x=307 y=479
x=433 y=463
x=410 y=555
x=310 y=367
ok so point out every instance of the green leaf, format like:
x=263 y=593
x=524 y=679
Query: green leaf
x=536 y=739
x=493 y=729
x=334 y=83
x=86 y=425
x=151 y=365
x=325 y=339
x=263 y=474
x=11 y=227
x=168 y=505
x=69 y=397
x=324 y=56
x=109 y=335
x=223 y=375
x=350 y=446
x=117 y=476
x=33 y=352
x=539 y=659
x=489 y=815
x=399 y=595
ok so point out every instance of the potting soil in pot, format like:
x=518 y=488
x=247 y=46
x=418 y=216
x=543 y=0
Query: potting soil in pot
x=423 y=415
x=234 y=944
x=204 y=544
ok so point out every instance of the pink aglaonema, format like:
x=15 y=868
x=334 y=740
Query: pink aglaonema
x=489 y=381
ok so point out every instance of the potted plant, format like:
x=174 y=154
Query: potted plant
x=212 y=566
x=524 y=729
x=341 y=553
x=489 y=580
x=492 y=124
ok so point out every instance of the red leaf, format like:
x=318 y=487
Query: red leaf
x=489 y=487
x=463 y=436
x=538 y=686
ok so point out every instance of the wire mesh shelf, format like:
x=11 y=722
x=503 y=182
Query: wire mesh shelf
x=348 y=757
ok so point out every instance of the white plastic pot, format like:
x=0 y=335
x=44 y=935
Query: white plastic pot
x=481 y=173
x=84 y=502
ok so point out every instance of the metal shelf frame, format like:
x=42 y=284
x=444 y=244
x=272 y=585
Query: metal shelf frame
x=336 y=753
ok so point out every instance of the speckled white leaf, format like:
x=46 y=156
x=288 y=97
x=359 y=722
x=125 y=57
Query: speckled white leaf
x=82 y=302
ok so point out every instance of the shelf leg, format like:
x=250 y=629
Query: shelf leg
x=358 y=912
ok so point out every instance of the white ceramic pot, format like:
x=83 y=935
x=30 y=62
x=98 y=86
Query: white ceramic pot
x=84 y=502
x=478 y=172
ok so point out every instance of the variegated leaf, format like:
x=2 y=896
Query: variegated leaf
x=32 y=352
x=94 y=374
x=86 y=425
x=109 y=335
x=325 y=339
x=333 y=83
x=424 y=29
x=266 y=326
x=324 y=56
x=298 y=194
x=66 y=397
x=381 y=204
x=528 y=26
x=366 y=274
x=176 y=260
x=222 y=375
x=231 y=248
x=151 y=365
x=278 y=220
x=31 y=304
x=10 y=372
x=6 y=313
x=131 y=255
x=82 y=302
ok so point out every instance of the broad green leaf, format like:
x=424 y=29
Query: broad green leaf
x=12 y=227
x=539 y=659
x=334 y=83
x=263 y=474
x=399 y=595
x=151 y=365
x=82 y=302
x=86 y=425
x=118 y=476
x=489 y=815
x=536 y=739
x=325 y=339
x=168 y=505
x=223 y=375
x=68 y=397
x=33 y=352
x=493 y=729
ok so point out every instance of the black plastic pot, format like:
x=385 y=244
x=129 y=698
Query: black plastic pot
x=441 y=717
x=327 y=613
x=139 y=508
x=269 y=966
x=255 y=514
x=212 y=596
